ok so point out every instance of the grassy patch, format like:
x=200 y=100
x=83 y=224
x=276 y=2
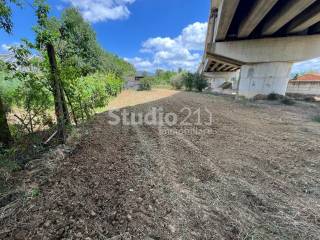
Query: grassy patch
x=6 y=161
x=35 y=192
x=7 y=167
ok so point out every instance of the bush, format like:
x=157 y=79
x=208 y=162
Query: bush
x=199 y=82
x=309 y=99
x=260 y=97
x=316 y=119
x=274 y=97
x=177 y=81
x=226 y=85
x=91 y=92
x=163 y=78
x=145 y=84
x=114 y=84
x=188 y=81
x=288 y=101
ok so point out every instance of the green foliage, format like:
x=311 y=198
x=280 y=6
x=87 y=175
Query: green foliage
x=88 y=75
x=8 y=88
x=145 y=84
x=112 y=63
x=288 y=101
x=316 y=118
x=274 y=97
x=163 y=78
x=177 y=81
x=5 y=14
x=91 y=92
x=199 y=82
x=35 y=192
x=46 y=32
x=6 y=162
x=33 y=93
x=188 y=81
x=114 y=84
x=78 y=47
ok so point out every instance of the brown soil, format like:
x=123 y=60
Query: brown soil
x=254 y=174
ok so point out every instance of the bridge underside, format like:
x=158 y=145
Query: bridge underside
x=263 y=38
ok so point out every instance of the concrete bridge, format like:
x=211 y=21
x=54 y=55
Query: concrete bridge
x=262 y=39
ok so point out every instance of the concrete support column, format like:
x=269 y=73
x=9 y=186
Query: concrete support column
x=264 y=78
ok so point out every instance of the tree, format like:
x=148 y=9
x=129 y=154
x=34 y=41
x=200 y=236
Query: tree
x=5 y=15
x=45 y=37
x=5 y=135
x=188 y=81
x=177 y=81
x=32 y=92
x=6 y=24
x=199 y=82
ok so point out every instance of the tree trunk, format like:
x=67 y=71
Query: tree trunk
x=58 y=95
x=75 y=119
x=5 y=135
x=65 y=106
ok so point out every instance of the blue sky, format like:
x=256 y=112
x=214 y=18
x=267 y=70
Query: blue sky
x=149 y=33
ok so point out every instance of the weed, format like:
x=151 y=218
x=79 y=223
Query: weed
x=35 y=192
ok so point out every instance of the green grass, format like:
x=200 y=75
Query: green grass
x=6 y=161
x=8 y=85
x=35 y=192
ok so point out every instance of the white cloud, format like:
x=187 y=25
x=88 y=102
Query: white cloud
x=310 y=65
x=5 y=48
x=102 y=10
x=139 y=63
x=184 y=51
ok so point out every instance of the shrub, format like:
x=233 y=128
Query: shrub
x=177 y=81
x=309 y=99
x=260 y=97
x=91 y=92
x=145 y=84
x=114 y=84
x=163 y=78
x=274 y=97
x=226 y=85
x=199 y=82
x=288 y=101
x=188 y=81
x=316 y=119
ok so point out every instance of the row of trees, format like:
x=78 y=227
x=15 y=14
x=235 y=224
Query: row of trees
x=178 y=80
x=64 y=69
x=189 y=81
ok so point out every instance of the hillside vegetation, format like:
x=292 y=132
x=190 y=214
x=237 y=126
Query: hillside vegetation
x=55 y=82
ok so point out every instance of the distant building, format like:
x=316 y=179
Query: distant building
x=139 y=77
x=308 y=84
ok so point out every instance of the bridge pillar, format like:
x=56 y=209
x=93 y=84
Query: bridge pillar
x=264 y=78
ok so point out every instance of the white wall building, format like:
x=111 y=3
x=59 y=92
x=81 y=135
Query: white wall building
x=308 y=84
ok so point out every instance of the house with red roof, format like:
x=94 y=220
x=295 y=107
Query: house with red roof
x=307 y=84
